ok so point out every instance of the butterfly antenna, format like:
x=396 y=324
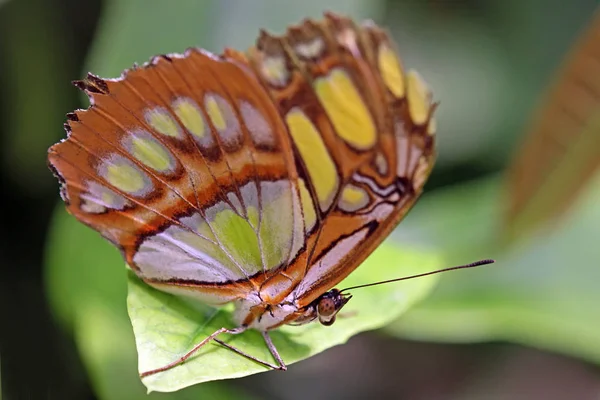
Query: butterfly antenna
x=472 y=265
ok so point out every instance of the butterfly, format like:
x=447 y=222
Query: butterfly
x=261 y=178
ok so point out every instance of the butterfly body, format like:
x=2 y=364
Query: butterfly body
x=261 y=178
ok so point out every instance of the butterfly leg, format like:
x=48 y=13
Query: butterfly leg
x=281 y=365
x=194 y=349
x=274 y=351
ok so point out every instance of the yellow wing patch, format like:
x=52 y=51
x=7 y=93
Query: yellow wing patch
x=346 y=109
x=308 y=208
x=353 y=198
x=190 y=116
x=151 y=153
x=125 y=177
x=163 y=122
x=319 y=163
x=389 y=66
x=215 y=114
x=419 y=98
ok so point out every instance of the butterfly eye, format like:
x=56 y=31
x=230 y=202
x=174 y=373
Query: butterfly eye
x=326 y=310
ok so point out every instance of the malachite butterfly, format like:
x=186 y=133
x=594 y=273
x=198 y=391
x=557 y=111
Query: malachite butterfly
x=261 y=178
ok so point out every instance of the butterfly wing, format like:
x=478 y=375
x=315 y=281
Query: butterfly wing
x=184 y=164
x=272 y=171
x=363 y=137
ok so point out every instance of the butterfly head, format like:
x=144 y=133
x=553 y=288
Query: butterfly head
x=329 y=304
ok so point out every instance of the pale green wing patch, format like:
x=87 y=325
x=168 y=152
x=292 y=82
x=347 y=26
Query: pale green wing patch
x=238 y=238
x=166 y=326
x=221 y=244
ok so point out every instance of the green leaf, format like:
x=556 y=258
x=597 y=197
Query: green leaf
x=106 y=348
x=166 y=327
x=542 y=293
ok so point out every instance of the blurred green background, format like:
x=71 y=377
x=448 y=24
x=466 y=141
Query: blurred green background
x=526 y=328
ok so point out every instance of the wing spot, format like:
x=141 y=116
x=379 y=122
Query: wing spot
x=308 y=208
x=102 y=197
x=162 y=121
x=98 y=199
x=223 y=118
x=346 y=109
x=149 y=151
x=391 y=71
x=260 y=130
x=310 y=49
x=421 y=173
x=320 y=165
x=125 y=175
x=381 y=164
x=432 y=127
x=274 y=71
x=249 y=194
x=92 y=207
x=353 y=198
x=191 y=117
x=419 y=98
x=214 y=112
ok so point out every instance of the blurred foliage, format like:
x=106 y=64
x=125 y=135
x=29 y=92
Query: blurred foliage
x=561 y=152
x=133 y=31
x=542 y=292
x=32 y=36
x=487 y=61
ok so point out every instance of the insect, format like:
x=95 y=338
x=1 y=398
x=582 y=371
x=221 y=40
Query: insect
x=261 y=178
